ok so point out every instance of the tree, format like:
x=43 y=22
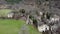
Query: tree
x=35 y=23
x=13 y=1
x=48 y=15
x=22 y=11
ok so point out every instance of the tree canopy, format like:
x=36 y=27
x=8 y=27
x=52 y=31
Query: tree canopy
x=13 y=1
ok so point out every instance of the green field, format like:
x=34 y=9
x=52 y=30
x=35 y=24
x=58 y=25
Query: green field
x=9 y=26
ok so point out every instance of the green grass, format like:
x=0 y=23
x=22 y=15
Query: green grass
x=4 y=12
x=33 y=30
x=10 y=26
x=13 y=26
